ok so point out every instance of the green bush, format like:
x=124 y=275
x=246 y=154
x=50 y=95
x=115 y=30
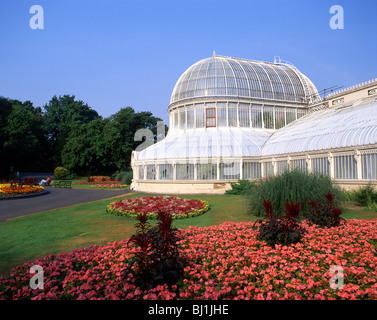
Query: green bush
x=365 y=196
x=61 y=173
x=291 y=185
x=240 y=187
x=124 y=176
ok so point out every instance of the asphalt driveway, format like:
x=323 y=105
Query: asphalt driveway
x=56 y=198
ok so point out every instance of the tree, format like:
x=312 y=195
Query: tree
x=86 y=151
x=129 y=122
x=24 y=138
x=5 y=110
x=104 y=146
x=60 y=114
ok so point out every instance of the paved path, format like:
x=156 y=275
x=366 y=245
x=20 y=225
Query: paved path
x=57 y=198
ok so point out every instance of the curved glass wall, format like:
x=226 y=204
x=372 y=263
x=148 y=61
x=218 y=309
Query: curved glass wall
x=340 y=166
x=220 y=76
x=233 y=114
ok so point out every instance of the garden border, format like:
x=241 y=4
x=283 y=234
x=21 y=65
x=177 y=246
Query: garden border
x=24 y=196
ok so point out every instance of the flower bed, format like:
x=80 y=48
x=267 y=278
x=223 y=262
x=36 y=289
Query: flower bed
x=109 y=185
x=99 y=182
x=9 y=190
x=179 y=208
x=99 y=178
x=225 y=262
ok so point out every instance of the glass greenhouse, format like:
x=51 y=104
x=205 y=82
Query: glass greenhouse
x=234 y=118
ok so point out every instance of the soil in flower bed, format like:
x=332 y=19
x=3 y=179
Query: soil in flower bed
x=225 y=262
x=177 y=207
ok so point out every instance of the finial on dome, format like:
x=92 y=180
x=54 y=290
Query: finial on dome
x=214 y=53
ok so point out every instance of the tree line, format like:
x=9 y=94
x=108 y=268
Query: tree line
x=67 y=132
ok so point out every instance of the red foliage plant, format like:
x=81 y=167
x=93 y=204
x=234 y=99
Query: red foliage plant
x=285 y=230
x=156 y=259
x=325 y=215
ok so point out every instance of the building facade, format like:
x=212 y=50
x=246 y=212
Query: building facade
x=234 y=118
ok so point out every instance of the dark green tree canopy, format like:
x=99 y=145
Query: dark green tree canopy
x=67 y=132
x=105 y=145
x=61 y=112
x=23 y=137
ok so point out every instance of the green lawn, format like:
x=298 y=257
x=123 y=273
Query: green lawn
x=29 y=237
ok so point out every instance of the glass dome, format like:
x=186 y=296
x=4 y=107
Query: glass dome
x=227 y=77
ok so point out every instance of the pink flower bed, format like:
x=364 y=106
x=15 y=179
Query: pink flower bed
x=178 y=207
x=225 y=262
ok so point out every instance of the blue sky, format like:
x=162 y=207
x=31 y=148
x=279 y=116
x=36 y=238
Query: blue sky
x=118 y=53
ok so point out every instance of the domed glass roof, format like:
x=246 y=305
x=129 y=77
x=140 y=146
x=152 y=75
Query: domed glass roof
x=220 y=76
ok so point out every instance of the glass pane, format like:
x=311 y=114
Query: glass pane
x=256 y=116
x=282 y=166
x=232 y=114
x=182 y=118
x=166 y=172
x=291 y=115
x=369 y=166
x=345 y=167
x=268 y=117
x=207 y=171
x=151 y=172
x=243 y=115
x=141 y=173
x=279 y=117
x=229 y=170
x=200 y=116
x=321 y=165
x=190 y=117
x=221 y=114
x=251 y=170
x=300 y=165
x=268 y=169
x=185 y=171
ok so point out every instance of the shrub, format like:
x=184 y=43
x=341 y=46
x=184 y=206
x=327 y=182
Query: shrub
x=325 y=215
x=291 y=185
x=60 y=173
x=157 y=260
x=125 y=177
x=285 y=230
x=366 y=196
x=240 y=187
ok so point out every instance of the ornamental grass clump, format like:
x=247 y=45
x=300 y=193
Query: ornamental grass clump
x=290 y=185
x=157 y=259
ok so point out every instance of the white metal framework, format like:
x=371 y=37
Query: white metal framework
x=235 y=119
